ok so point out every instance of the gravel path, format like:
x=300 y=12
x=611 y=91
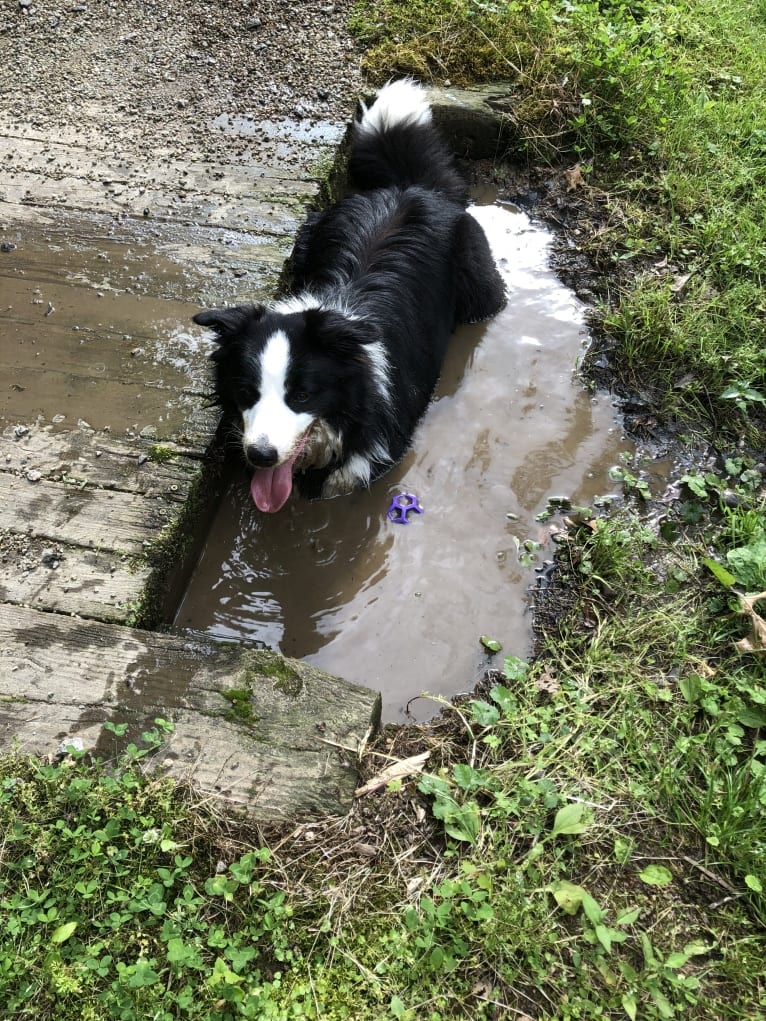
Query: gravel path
x=153 y=76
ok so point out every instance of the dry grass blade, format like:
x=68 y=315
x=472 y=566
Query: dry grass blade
x=396 y=771
x=754 y=643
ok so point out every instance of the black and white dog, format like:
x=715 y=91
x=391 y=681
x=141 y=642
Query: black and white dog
x=326 y=387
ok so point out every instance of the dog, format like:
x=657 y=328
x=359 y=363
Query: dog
x=326 y=386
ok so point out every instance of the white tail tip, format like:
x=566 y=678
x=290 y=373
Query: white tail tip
x=399 y=102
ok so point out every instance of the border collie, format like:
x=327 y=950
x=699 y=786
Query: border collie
x=327 y=386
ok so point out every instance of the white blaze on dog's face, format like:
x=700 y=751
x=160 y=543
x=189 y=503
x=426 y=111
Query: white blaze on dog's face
x=270 y=422
x=273 y=433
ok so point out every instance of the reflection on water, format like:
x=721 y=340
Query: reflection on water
x=401 y=608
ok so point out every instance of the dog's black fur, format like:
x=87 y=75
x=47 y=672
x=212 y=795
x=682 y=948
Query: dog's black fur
x=329 y=385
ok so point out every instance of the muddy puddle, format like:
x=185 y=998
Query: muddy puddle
x=401 y=608
x=95 y=329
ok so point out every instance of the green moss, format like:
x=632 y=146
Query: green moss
x=254 y=666
x=241 y=701
x=171 y=554
x=286 y=678
x=160 y=454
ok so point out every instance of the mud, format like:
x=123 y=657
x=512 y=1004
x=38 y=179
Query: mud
x=402 y=608
x=95 y=329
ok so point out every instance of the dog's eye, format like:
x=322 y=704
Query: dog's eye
x=300 y=397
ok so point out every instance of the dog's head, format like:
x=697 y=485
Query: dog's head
x=291 y=382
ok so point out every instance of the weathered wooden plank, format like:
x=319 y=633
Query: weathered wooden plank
x=251 y=728
x=99 y=354
x=46 y=156
x=164 y=261
x=109 y=311
x=69 y=579
x=91 y=518
x=165 y=412
x=100 y=460
x=279 y=214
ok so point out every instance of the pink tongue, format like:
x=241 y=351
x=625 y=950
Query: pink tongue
x=271 y=487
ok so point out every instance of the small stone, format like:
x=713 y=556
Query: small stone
x=34 y=475
x=20 y=430
x=6 y=246
x=69 y=745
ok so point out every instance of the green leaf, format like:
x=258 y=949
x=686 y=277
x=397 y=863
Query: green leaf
x=143 y=975
x=696 y=483
x=397 y=1007
x=751 y=717
x=486 y=715
x=629 y=1005
x=749 y=564
x=467 y=777
x=568 y=896
x=593 y=912
x=719 y=572
x=221 y=886
x=572 y=819
x=622 y=850
x=691 y=688
x=604 y=936
x=222 y=973
x=676 y=960
x=753 y=883
x=656 y=875
x=63 y=932
x=515 y=669
x=490 y=644
x=504 y=699
x=463 y=824
x=627 y=917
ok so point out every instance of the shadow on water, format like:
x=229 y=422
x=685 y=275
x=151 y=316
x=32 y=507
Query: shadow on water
x=401 y=608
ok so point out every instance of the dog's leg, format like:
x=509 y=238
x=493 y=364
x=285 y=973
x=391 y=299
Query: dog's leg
x=479 y=288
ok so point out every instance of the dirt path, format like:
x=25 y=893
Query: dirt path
x=154 y=78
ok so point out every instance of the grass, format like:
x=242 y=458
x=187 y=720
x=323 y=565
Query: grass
x=663 y=104
x=587 y=836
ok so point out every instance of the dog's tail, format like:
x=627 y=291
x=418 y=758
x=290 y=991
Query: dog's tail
x=394 y=143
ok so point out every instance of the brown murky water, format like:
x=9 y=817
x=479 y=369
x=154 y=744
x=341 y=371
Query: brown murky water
x=401 y=608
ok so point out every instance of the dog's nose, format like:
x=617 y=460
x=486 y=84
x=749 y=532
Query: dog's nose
x=261 y=455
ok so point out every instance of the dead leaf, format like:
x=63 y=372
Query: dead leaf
x=396 y=771
x=547 y=684
x=368 y=850
x=755 y=642
x=414 y=884
x=680 y=282
x=574 y=178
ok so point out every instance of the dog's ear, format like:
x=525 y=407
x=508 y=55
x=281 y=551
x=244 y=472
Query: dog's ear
x=228 y=322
